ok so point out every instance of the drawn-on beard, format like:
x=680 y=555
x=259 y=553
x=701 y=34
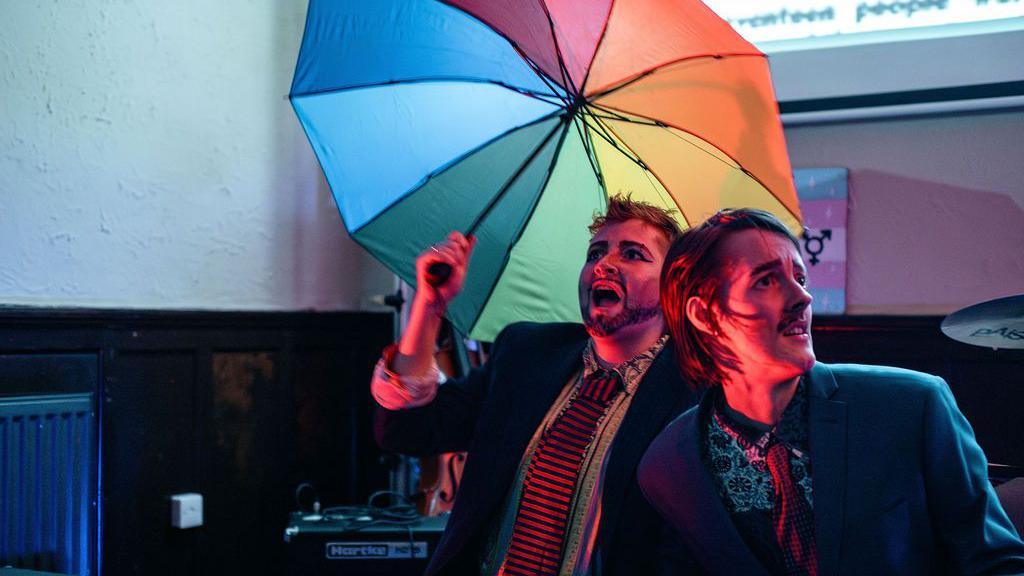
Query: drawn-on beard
x=608 y=325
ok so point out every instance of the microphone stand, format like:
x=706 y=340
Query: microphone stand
x=403 y=471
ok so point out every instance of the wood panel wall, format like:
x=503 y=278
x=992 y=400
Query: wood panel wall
x=988 y=384
x=241 y=407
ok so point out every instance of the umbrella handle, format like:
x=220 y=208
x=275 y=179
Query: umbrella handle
x=438 y=273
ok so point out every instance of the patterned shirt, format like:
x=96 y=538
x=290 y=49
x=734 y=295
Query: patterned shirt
x=734 y=453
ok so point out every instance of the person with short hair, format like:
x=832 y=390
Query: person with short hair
x=555 y=421
x=791 y=466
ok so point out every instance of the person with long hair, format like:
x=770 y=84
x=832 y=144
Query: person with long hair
x=792 y=466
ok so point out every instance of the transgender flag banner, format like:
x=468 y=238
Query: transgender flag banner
x=822 y=194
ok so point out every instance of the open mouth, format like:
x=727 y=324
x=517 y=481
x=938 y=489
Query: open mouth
x=605 y=294
x=795 y=327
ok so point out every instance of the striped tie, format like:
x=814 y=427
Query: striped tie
x=550 y=484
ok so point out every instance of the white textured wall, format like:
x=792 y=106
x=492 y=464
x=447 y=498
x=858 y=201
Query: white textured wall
x=149 y=159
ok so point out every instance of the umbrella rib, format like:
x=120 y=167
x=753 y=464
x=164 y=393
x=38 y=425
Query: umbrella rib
x=570 y=88
x=587 y=148
x=433 y=79
x=593 y=150
x=648 y=171
x=543 y=77
x=615 y=115
x=641 y=75
x=575 y=124
x=632 y=155
x=522 y=53
x=661 y=186
x=753 y=177
x=640 y=163
x=735 y=164
x=600 y=40
x=540 y=73
x=526 y=221
x=627 y=120
x=504 y=189
x=601 y=130
x=610 y=140
x=447 y=165
x=595 y=162
x=659 y=124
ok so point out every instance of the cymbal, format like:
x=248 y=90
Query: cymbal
x=997 y=323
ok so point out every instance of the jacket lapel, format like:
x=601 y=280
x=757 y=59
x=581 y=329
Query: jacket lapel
x=538 y=380
x=827 y=436
x=661 y=395
x=713 y=538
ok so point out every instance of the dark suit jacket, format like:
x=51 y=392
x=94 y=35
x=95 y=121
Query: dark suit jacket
x=494 y=411
x=900 y=486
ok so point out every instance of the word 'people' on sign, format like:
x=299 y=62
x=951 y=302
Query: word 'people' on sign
x=906 y=8
x=766 y=21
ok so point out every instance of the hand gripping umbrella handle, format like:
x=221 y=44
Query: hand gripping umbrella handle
x=438 y=273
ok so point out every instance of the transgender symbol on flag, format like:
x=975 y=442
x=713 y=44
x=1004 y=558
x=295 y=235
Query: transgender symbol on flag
x=822 y=193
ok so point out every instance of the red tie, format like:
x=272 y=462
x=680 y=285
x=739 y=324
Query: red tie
x=539 y=530
x=792 y=516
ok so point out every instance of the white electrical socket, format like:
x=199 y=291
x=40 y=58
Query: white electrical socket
x=187 y=510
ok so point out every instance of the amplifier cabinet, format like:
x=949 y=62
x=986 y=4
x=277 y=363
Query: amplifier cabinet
x=330 y=545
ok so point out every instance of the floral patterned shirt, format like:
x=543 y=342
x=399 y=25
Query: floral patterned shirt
x=734 y=454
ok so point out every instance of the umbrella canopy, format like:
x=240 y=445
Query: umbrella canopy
x=515 y=121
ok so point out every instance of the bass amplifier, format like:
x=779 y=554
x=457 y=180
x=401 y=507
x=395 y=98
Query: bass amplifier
x=336 y=545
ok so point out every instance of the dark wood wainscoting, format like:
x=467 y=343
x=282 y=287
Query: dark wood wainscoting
x=240 y=407
x=988 y=384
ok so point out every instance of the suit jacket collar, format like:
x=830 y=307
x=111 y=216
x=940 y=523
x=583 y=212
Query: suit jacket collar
x=714 y=539
x=827 y=428
x=821 y=383
x=539 y=378
x=660 y=395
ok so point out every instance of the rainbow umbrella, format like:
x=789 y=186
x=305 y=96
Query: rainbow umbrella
x=515 y=121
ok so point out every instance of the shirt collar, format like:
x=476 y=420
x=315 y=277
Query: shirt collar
x=631 y=371
x=791 y=429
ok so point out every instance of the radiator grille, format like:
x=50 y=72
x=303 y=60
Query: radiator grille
x=46 y=480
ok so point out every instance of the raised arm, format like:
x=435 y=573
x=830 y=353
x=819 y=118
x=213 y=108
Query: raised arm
x=407 y=376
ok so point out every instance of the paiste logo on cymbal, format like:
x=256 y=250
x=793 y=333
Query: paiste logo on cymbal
x=1002 y=331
